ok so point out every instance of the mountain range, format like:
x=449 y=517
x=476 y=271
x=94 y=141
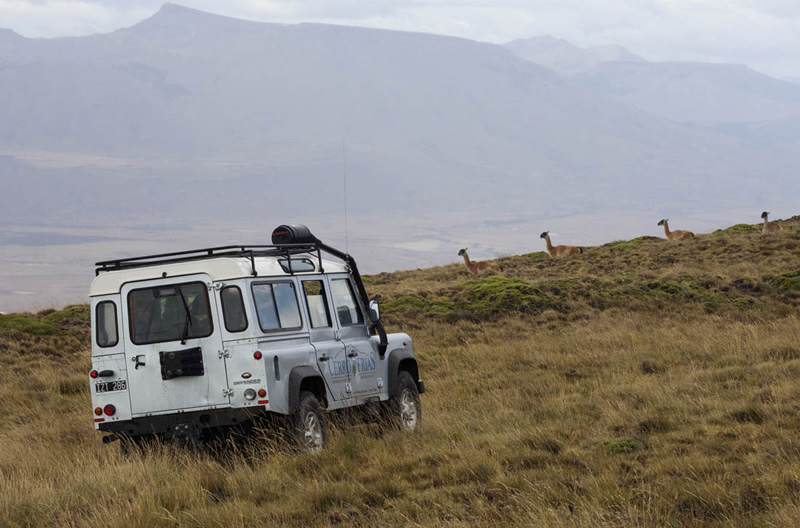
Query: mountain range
x=189 y=119
x=694 y=93
x=566 y=58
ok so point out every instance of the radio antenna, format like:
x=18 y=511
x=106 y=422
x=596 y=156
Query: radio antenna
x=344 y=179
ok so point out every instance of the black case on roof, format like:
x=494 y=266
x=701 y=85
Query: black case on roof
x=293 y=234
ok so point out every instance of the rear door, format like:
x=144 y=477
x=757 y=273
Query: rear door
x=173 y=347
x=331 y=357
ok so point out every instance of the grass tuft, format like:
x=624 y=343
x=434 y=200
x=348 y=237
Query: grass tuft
x=623 y=445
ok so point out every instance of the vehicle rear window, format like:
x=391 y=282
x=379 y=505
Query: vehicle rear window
x=276 y=306
x=169 y=313
x=106 y=324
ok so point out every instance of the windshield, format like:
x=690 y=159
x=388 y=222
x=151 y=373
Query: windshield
x=169 y=313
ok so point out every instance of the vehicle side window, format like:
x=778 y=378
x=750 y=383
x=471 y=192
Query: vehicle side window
x=106 y=323
x=233 y=309
x=317 y=304
x=276 y=306
x=347 y=309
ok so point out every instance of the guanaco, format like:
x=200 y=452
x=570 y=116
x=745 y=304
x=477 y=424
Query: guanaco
x=770 y=227
x=560 y=251
x=680 y=234
x=475 y=267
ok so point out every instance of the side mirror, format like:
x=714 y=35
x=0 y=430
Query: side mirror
x=374 y=311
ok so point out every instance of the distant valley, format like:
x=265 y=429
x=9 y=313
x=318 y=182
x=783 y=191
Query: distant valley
x=190 y=129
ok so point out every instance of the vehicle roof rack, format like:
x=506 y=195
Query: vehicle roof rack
x=287 y=240
x=249 y=252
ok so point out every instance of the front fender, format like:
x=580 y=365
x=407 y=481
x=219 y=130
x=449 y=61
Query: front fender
x=401 y=360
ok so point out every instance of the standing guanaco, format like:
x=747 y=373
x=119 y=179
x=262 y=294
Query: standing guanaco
x=680 y=234
x=770 y=227
x=560 y=251
x=475 y=267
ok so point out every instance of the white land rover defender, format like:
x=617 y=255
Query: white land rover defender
x=188 y=345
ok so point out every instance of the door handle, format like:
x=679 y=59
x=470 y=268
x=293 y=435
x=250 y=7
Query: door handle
x=138 y=360
x=352 y=354
x=323 y=358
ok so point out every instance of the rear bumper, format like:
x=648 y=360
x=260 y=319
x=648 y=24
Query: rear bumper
x=169 y=425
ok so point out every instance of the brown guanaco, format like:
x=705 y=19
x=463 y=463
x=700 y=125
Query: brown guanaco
x=475 y=267
x=680 y=234
x=770 y=227
x=560 y=251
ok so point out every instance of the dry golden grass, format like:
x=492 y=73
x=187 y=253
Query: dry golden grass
x=639 y=384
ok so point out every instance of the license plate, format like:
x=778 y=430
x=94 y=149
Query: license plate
x=110 y=386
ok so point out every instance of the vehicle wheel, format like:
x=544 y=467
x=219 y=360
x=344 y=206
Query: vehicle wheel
x=403 y=408
x=310 y=425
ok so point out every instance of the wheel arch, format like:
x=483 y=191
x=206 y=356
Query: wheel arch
x=401 y=361
x=305 y=378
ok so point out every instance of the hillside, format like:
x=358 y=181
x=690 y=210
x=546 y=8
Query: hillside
x=643 y=383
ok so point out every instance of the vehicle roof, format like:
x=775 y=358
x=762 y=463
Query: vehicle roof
x=218 y=269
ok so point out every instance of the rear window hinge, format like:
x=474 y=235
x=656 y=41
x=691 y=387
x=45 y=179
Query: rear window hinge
x=216 y=286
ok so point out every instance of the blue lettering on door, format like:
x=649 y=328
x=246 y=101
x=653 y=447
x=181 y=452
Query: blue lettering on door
x=337 y=368
x=365 y=364
x=360 y=364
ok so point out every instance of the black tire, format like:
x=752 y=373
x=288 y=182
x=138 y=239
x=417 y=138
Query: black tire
x=309 y=424
x=403 y=409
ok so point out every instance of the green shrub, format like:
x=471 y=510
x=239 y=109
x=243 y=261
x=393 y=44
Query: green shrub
x=787 y=281
x=402 y=304
x=73 y=315
x=623 y=245
x=537 y=255
x=478 y=300
x=739 y=229
x=11 y=323
x=496 y=295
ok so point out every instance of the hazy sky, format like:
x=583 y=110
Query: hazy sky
x=764 y=34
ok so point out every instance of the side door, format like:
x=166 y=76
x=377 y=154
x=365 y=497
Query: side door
x=173 y=346
x=361 y=352
x=332 y=359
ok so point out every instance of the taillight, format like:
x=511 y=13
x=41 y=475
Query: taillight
x=98 y=411
x=94 y=374
x=261 y=393
x=109 y=410
x=258 y=355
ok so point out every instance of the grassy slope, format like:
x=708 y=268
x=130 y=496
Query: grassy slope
x=643 y=383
